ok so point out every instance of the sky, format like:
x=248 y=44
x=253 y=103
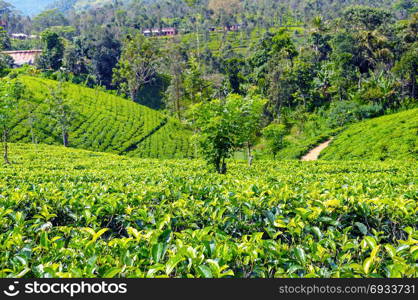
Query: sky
x=30 y=7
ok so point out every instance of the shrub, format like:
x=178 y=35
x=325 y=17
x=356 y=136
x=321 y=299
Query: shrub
x=345 y=112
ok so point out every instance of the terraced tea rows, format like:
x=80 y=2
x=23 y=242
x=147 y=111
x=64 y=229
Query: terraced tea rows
x=74 y=213
x=393 y=136
x=101 y=122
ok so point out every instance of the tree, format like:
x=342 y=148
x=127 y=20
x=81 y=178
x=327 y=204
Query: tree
x=407 y=7
x=320 y=38
x=223 y=127
x=5 y=60
x=11 y=92
x=232 y=68
x=53 y=51
x=407 y=69
x=274 y=135
x=251 y=113
x=105 y=51
x=271 y=51
x=175 y=92
x=196 y=87
x=280 y=85
x=61 y=111
x=365 y=17
x=138 y=65
x=5 y=43
x=49 y=18
x=75 y=58
x=196 y=19
x=224 y=11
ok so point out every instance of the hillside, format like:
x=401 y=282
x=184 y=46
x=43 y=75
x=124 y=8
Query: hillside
x=389 y=137
x=100 y=122
x=175 y=219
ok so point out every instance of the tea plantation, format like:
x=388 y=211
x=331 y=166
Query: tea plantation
x=100 y=122
x=74 y=213
x=393 y=136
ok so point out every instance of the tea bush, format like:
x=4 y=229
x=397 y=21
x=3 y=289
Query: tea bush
x=75 y=213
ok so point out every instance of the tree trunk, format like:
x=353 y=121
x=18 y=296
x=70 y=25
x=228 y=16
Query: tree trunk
x=64 y=137
x=32 y=132
x=249 y=155
x=413 y=87
x=198 y=42
x=133 y=91
x=178 y=99
x=6 y=147
x=223 y=167
x=32 y=135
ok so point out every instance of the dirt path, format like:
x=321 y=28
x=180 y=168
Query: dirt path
x=314 y=153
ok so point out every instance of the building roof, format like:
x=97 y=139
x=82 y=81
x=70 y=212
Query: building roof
x=22 y=57
x=19 y=35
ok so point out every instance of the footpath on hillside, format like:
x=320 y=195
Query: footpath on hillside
x=315 y=152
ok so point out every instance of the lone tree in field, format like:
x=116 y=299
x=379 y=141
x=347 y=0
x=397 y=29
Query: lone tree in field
x=61 y=112
x=224 y=125
x=137 y=66
x=274 y=135
x=30 y=109
x=175 y=92
x=11 y=92
x=251 y=112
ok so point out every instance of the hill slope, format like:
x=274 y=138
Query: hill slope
x=100 y=122
x=389 y=137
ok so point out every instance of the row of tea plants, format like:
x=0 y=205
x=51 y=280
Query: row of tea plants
x=99 y=122
x=74 y=213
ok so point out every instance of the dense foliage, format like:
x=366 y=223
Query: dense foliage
x=73 y=213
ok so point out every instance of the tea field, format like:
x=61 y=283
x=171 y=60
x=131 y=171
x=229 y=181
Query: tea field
x=74 y=213
x=99 y=122
x=392 y=136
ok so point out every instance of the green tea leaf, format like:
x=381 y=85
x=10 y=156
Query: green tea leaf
x=205 y=271
x=317 y=232
x=300 y=255
x=366 y=265
x=361 y=227
x=157 y=252
x=172 y=263
x=112 y=272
